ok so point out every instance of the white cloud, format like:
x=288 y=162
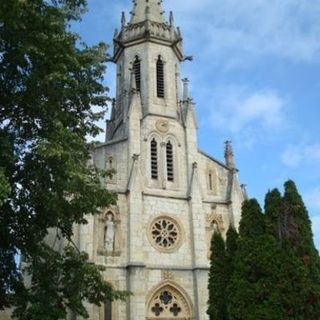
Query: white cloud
x=294 y=155
x=248 y=113
x=255 y=28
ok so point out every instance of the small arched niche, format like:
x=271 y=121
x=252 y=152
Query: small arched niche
x=109 y=233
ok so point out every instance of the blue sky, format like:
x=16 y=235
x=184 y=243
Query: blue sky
x=255 y=80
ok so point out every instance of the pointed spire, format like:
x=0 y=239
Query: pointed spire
x=228 y=154
x=185 y=89
x=123 y=20
x=171 y=19
x=151 y=8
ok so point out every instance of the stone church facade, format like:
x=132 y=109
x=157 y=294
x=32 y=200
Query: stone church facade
x=155 y=242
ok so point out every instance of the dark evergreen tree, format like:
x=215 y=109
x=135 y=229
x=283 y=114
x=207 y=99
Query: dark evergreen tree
x=290 y=276
x=231 y=249
x=274 y=219
x=298 y=275
x=299 y=241
x=251 y=292
x=217 y=304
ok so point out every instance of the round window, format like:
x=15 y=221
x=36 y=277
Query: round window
x=165 y=234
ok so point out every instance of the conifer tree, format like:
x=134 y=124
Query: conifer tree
x=273 y=208
x=231 y=249
x=299 y=240
x=289 y=278
x=217 y=309
x=251 y=293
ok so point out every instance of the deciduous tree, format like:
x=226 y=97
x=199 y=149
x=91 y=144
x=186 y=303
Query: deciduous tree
x=49 y=81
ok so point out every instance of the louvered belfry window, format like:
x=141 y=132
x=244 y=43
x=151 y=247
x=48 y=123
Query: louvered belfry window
x=169 y=152
x=154 y=159
x=137 y=72
x=160 y=78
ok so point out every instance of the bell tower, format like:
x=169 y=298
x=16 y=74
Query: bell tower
x=147 y=52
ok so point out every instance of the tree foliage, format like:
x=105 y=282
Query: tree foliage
x=49 y=82
x=217 y=309
x=232 y=238
x=274 y=270
x=251 y=290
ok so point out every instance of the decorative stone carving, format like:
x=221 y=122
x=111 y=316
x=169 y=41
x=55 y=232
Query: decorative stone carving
x=162 y=125
x=169 y=302
x=109 y=232
x=165 y=234
x=167 y=275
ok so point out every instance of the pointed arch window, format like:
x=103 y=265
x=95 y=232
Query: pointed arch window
x=169 y=155
x=137 y=72
x=154 y=159
x=160 y=78
x=210 y=181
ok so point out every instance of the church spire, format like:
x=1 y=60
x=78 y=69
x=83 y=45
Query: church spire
x=147 y=10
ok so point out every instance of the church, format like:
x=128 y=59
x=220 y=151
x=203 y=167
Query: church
x=172 y=196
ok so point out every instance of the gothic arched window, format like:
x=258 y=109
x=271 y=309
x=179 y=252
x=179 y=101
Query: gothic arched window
x=154 y=159
x=169 y=155
x=160 y=78
x=210 y=181
x=137 y=72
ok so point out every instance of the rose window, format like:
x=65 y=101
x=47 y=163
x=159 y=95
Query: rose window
x=165 y=233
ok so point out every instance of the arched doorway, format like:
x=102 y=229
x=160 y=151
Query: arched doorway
x=168 y=302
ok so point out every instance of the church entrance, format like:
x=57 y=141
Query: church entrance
x=168 y=303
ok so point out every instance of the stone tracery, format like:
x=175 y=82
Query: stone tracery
x=168 y=303
x=165 y=234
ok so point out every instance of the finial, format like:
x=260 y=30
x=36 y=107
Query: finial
x=179 y=32
x=171 y=19
x=185 y=89
x=228 y=154
x=115 y=33
x=123 y=20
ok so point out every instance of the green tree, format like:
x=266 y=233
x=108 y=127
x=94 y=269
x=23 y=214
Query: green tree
x=231 y=249
x=251 y=292
x=290 y=276
x=274 y=219
x=299 y=240
x=49 y=82
x=217 y=304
